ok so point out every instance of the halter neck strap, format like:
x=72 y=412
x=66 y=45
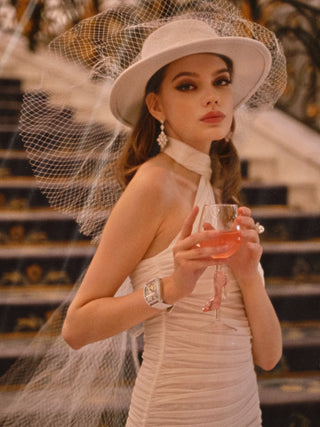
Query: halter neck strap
x=189 y=157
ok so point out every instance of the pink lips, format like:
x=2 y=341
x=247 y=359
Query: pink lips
x=213 y=117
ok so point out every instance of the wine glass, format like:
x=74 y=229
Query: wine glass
x=220 y=217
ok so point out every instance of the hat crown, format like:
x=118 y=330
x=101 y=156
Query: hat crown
x=176 y=34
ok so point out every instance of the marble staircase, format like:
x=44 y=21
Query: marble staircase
x=42 y=253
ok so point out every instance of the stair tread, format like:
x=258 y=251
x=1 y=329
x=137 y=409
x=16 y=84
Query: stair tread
x=48 y=250
x=41 y=214
x=35 y=295
x=13 y=154
x=280 y=391
x=9 y=127
x=110 y=402
x=293 y=289
x=301 y=334
x=16 y=344
x=28 y=181
x=292 y=246
x=282 y=212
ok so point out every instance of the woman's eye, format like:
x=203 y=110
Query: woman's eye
x=224 y=81
x=184 y=87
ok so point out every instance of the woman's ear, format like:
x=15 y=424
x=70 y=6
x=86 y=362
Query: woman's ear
x=154 y=106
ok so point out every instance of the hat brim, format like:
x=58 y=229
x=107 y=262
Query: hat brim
x=251 y=65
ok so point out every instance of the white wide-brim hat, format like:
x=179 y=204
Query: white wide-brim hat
x=177 y=39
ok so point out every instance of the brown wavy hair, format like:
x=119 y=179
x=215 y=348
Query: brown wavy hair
x=141 y=145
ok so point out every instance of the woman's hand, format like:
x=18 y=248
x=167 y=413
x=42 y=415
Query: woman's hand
x=191 y=259
x=244 y=263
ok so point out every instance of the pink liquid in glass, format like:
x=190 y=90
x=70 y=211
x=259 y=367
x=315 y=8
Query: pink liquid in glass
x=229 y=241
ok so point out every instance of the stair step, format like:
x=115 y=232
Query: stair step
x=299 y=389
x=295 y=301
x=10 y=114
x=298 y=260
x=285 y=224
x=35 y=295
x=257 y=193
x=38 y=229
x=262 y=168
x=292 y=247
x=292 y=290
x=110 y=402
x=14 y=163
x=290 y=401
x=301 y=334
x=16 y=344
x=45 y=214
x=9 y=137
x=26 y=185
x=48 y=264
x=18 y=193
x=10 y=90
x=7 y=84
x=49 y=250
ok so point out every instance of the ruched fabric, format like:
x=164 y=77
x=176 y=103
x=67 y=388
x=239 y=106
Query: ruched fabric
x=192 y=375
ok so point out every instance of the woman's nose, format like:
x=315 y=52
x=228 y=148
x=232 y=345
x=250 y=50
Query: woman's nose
x=211 y=97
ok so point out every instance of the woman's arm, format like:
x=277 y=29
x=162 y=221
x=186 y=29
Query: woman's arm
x=133 y=226
x=95 y=314
x=265 y=326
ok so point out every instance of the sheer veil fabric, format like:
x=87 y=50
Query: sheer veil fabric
x=72 y=148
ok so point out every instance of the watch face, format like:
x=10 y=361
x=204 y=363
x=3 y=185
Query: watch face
x=151 y=293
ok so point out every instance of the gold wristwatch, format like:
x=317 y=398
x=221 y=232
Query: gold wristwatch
x=152 y=294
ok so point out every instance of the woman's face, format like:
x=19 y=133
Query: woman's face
x=195 y=100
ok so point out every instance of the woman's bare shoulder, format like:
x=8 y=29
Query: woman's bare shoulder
x=154 y=178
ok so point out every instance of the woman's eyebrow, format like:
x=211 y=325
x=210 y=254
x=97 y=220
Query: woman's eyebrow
x=193 y=74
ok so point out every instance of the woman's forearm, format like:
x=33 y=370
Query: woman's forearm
x=104 y=317
x=264 y=323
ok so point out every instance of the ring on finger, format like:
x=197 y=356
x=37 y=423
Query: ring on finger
x=259 y=228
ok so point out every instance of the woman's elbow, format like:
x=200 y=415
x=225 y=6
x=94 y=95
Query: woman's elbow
x=70 y=336
x=270 y=362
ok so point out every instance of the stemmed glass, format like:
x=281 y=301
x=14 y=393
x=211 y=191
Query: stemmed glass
x=220 y=217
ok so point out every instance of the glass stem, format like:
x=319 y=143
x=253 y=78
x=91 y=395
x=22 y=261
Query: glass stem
x=217 y=312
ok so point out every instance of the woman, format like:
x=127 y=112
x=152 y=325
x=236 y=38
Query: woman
x=189 y=80
x=200 y=62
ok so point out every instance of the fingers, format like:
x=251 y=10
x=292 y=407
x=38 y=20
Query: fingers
x=245 y=220
x=244 y=211
x=200 y=242
x=187 y=226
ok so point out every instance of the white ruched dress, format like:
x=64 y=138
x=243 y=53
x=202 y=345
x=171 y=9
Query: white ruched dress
x=191 y=376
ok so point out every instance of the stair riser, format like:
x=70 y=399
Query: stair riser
x=39 y=231
x=294 y=415
x=298 y=266
x=271 y=195
x=21 y=198
x=15 y=167
x=42 y=271
x=21 y=318
x=299 y=308
x=286 y=228
x=10 y=140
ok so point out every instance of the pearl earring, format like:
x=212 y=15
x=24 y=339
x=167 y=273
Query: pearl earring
x=228 y=137
x=162 y=138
